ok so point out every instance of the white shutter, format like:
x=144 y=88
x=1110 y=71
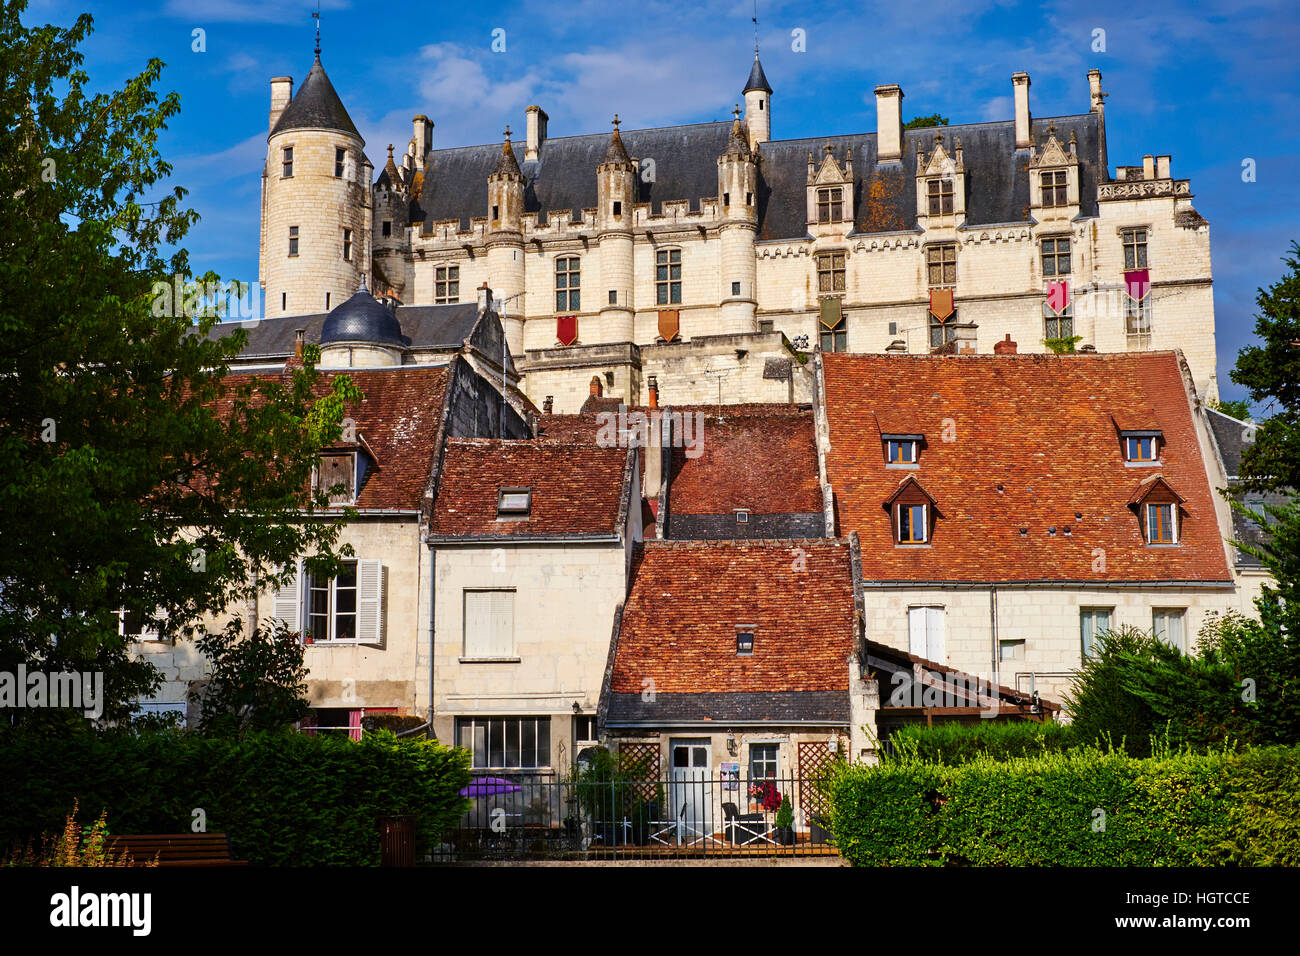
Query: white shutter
x=286 y=603
x=489 y=623
x=934 y=634
x=916 y=630
x=370 y=601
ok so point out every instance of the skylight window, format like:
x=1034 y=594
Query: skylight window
x=514 y=502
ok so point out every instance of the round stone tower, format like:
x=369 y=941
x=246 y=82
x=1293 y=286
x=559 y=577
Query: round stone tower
x=738 y=194
x=615 y=192
x=505 y=242
x=391 y=197
x=316 y=206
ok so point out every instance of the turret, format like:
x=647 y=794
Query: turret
x=505 y=241
x=616 y=192
x=758 y=106
x=391 y=195
x=737 y=196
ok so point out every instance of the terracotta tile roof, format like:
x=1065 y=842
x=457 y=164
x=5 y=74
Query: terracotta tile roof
x=763 y=458
x=570 y=429
x=398 y=422
x=687 y=598
x=577 y=489
x=1035 y=445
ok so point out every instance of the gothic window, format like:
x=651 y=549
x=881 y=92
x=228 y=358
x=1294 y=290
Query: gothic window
x=568 y=278
x=668 y=276
x=1135 y=248
x=939 y=193
x=1056 y=257
x=1058 y=325
x=833 y=328
x=830 y=204
x=941 y=265
x=942 y=331
x=446 y=285
x=830 y=272
x=1055 y=192
x=286 y=158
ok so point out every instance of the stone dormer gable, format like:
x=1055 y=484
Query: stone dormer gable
x=939 y=161
x=830 y=190
x=1053 y=153
x=941 y=182
x=830 y=172
x=1054 y=177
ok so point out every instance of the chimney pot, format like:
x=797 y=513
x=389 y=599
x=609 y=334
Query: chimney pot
x=299 y=343
x=889 y=123
x=281 y=94
x=548 y=404
x=484 y=299
x=597 y=389
x=1020 y=86
x=654 y=391
x=1005 y=347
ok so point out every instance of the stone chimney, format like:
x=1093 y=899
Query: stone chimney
x=596 y=389
x=1005 y=347
x=423 y=128
x=281 y=94
x=1162 y=167
x=889 y=123
x=548 y=404
x=654 y=391
x=536 y=131
x=298 y=343
x=1020 y=85
x=1148 y=167
x=1095 y=95
x=484 y=299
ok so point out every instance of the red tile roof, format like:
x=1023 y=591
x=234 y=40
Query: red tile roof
x=1035 y=445
x=679 y=621
x=759 y=457
x=577 y=489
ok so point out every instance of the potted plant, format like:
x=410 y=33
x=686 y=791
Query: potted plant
x=785 y=822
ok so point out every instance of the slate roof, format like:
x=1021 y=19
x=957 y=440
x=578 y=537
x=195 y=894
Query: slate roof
x=563 y=181
x=362 y=318
x=757 y=80
x=679 y=630
x=1230 y=439
x=316 y=106
x=578 y=490
x=759 y=457
x=1035 y=445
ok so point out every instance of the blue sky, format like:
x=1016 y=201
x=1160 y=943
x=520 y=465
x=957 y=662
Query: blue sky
x=1212 y=84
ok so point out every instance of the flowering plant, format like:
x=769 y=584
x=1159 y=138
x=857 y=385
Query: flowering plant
x=765 y=794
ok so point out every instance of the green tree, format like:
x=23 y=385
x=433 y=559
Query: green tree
x=1237 y=408
x=257 y=682
x=137 y=472
x=923 y=122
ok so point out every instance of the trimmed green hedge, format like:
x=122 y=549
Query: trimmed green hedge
x=959 y=743
x=1184 y=810
x=284 y=799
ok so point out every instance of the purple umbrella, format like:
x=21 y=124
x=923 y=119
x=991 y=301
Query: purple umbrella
x=489 y=786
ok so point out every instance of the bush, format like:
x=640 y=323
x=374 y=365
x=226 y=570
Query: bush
x=283 y=799
x=1081 y=808
x=959 y=743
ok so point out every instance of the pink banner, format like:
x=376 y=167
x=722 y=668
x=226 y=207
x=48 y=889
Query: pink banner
x=1137 y=283
x=1058 y=296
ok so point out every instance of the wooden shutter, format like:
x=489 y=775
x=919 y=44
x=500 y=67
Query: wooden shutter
x=916 y=630
x=370 y=601
x=934 y=634
x=925 y=632
x=489 y=623
x=286 y=603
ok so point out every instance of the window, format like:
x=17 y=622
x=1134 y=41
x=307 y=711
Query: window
x=293 y=240
x=340 y=155
x=386 y=229
x=446 y=285
x=830 y=272
x=830 y=204
x=1162 y=524
x=1056 y=257
x=1058 y=325
x=911 y=524
x=133 y=624
x=568 y=278
x=941 y=264
x=1093 y=623
x=286 y=160
x=489 y=625
x=284 y=301
x=584 y=730
x=613 y=297
x=942 y=331
x=1140 y=448
x=327 y=301
x=618 y=207
x=900 y=451
x=726 y=199
x=925 y=632
x=514 y=502
x=742 y=516
x=1135 y=248
x=832 y=324
x=506 y=743
x=347 y=244
x=766 y=325
x=668 y=276
x=1167 y=623
x=939 y=194
x=1055 y=192
x=1011 y=650
x=496 y=213
x=336 y=477
x=764 y=761
x=332 y=606
x=744 y=642
x=735 y=288
x=1137 y=322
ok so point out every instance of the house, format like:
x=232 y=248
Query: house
x=1011 y=507
x=530 y=546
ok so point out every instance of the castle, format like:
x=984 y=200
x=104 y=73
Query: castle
x=713 y=257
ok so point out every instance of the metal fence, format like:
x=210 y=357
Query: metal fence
x=684 y=814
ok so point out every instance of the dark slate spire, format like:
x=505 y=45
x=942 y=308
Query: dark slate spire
x=316 y=106
x=617 y=152
x=390 y=177
x=507 y=165
x=757 y=81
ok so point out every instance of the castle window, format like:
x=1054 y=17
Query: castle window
x=284 y=301
x=1056 y=257
x=832 y=325
x=618 y=207
x=1058 y=325
x=1055 y=192
x=568 y=279
x=496 y=213
x=668 y=276
x=327 y=301
x=286 y=158
x=830 y=272
x=749 y=199
x=1135 y=248
x=735 y=288
x=830 y=204
x=339 y=156
x=1137 y=322
x=347 y=244
x=446 y=285
x=726 y=199
x=387 y=228
x=941 y=264
x=293 y=240
x=939 y=193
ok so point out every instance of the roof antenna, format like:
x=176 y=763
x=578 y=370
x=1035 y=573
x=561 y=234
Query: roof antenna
x=316 y=16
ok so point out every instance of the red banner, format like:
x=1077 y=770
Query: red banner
x=1058 y=296
x=1137 y=283
x=941 y=304
x=566 y=329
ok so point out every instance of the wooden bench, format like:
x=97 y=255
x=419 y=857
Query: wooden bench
x=176 y=849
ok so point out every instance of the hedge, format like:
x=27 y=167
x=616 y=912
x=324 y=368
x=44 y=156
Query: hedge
x=283 y=799
x=958 y=743
x=1080 y=808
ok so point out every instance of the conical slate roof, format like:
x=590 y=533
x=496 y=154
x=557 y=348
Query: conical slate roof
x=737 y=142
x=617 y=152
x=507 y=165
x=316 y=106
x=362 y=318
x=390 y=177
x=757 y=81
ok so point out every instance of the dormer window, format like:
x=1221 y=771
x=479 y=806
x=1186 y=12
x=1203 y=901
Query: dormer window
x=830 y=204
x=514 y=502
x=902 y=449
x=336 y=477
x=1055 y=189
x=913 y=524
x=939 y=194
x=1162 y=523
x=1141 y=448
